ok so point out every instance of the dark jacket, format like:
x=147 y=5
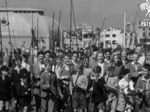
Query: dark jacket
x=5 y=88
x=98 y=91
x=15 y=76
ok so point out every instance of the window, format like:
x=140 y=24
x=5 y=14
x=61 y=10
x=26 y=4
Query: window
x=143 y=28
x=107 y=35
x=130 y=34
x=114 y=35
x=144 y=34
x=114 y=42
x=107 y=42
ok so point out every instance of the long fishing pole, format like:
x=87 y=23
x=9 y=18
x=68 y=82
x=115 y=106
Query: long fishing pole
x=52 y=41
x=8 y=25
x=60 y=40
x=37 y=34
x=75 y=25
x=1 y=43
x=70 y=25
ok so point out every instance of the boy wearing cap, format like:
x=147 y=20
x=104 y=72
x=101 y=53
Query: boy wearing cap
x=97 y=100
x=5 y=88
x=112 y=88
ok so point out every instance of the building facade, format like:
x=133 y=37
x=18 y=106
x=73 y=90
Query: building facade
x=111 y=37
x=16 y=25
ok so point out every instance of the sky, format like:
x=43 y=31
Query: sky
x=91 y=12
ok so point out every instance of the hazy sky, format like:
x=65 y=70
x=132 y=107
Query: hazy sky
x=89 y=11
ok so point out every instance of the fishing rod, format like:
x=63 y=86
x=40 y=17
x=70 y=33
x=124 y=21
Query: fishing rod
x=1 y=43
x=37 y=34
x=12 y=49
x=75 y=25
x=52 y=42
x=59 y=27
x=70 y=26
x=14 y=38
x=8 y=25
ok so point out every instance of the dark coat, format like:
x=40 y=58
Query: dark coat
x=5 y=88
x=15 y=76
x=23 y=99
x=98 y=91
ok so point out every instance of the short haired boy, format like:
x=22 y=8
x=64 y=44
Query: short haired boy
x=5 y=88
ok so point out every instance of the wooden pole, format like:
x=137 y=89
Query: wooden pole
x=75 y=25
x=124 y=40
x=37 y=34
x=1 y=41
x=70 y=25
x=52 y=39
x=59 y=37
x=8 y=25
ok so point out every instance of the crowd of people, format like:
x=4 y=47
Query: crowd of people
x=95 y=79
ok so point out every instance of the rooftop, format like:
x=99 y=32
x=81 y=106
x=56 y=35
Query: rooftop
x=19 y=9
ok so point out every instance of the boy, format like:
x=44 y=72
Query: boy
x=23 y=94
x=112 y=88
x=143 y=88
x=5 y=88
x=78 y=86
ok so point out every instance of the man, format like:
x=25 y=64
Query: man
x=74 y=58
x=50 y=88
x=101 y=63
x=141 y=54
x=47 y=54
x=134 y=67
x=108 y=56
x=92 y=60
x=143 y=89
x=37 y=70
x=124 y=55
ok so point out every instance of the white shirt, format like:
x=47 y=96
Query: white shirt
x=136 y=66
x=147 y=82
x=124 y=85
x=25 y=65
x=41 y=66
x=142 y=59
x=102 y=69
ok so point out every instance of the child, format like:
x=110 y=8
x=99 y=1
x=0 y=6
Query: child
x=78 y=86
x=112 y=88
x=97 y=89
x=23 y=94
x=5 y=88
x=142 y=101
x=126 y=89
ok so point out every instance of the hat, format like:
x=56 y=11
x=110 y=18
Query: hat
x=4 y=68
